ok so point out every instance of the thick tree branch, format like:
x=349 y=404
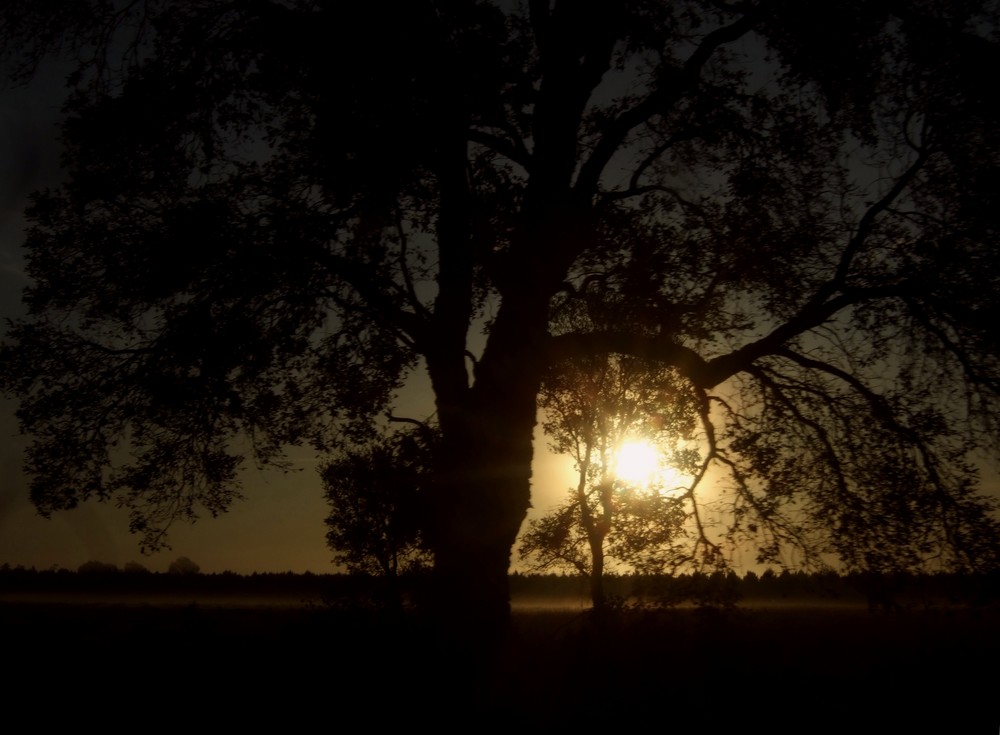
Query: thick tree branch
x=812 y=315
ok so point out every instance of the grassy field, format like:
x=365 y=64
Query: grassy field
x=766 y=668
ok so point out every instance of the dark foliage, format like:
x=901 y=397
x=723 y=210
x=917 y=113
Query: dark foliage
x=374 y=496
x=269 y=223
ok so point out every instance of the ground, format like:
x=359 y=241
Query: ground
x=769 y=667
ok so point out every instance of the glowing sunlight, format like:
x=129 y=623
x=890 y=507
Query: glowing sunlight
x=638 y=462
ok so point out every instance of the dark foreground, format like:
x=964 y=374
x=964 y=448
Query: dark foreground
x=780 y=668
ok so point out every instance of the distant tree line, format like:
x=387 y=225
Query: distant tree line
x=879 y=591
x=182 y=576
x=885 y=591
x=180 y=565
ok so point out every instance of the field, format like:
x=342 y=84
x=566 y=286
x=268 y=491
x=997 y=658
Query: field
x=769 y=666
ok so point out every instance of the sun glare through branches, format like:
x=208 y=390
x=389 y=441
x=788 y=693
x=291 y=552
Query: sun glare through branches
x=638 y=463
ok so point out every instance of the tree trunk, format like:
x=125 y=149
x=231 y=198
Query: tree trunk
x=471 y=562
x=483 y=487
x=596 y=529
x=483 y=495
x=597 y=596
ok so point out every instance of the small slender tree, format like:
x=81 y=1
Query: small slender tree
x=592 y=407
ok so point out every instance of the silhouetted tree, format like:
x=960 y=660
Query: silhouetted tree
x=97 y=567
x=270 y=222
x=374 y=496
x=183 y=566
x=592 y=406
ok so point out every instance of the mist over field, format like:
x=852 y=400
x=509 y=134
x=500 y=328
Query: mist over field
x=811 y=655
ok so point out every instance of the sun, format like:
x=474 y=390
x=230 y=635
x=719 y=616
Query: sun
x=637 y=462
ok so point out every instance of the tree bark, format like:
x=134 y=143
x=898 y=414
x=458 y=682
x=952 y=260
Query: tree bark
x=483 y=488
x=597 y=596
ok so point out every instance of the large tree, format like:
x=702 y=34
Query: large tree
x=275 y=212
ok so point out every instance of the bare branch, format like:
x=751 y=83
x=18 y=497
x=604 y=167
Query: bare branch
x=672 y=86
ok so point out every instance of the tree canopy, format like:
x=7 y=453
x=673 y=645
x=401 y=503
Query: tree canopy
x=374 y=497
x=276 y=212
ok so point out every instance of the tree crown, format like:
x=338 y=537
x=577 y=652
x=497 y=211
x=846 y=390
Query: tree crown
x=269 y=223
